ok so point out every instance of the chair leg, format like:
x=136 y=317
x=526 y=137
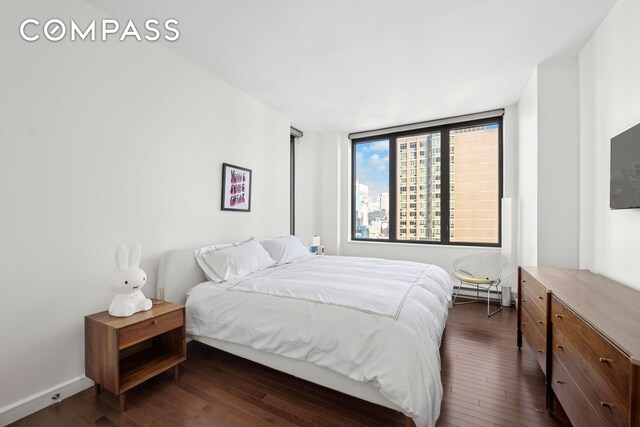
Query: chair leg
x=489 y=312
x=466 y=302
x=455 y=295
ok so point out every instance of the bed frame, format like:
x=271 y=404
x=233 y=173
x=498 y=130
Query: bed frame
x=179 y=272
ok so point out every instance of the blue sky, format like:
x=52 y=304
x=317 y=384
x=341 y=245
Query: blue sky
x=372 y=166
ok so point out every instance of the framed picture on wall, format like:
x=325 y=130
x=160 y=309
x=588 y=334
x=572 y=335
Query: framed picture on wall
x=236 y=188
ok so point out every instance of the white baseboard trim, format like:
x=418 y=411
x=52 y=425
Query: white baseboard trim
x=36 y=402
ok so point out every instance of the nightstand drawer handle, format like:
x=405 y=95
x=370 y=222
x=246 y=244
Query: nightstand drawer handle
x=524 y=300
x=540 y=298
x=155 y=321
x=607 y=405
x=540 y=351
x=559 y=316
x=541 y=322
x=560 y=382
x=559 y=347
x=605 y=360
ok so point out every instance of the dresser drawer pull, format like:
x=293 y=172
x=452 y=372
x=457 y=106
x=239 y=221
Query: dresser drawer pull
x=524 y=281
x=560 y=382
x=559 y=316
x=607 y=405
x=524 y=323
x=605 y=360
x=540 y=351
x=540 y=298
x=524 y=300
x=541 y=322
x=155 y=321
x=559 y=347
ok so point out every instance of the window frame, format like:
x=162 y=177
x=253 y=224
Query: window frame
x=444 y=130
x=292 y=184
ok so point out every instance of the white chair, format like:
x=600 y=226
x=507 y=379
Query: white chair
x=483 y=269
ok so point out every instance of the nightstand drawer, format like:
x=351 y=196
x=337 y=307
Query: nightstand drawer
x=150 y=327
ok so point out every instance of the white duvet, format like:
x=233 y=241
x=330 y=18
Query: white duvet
x=372 y=320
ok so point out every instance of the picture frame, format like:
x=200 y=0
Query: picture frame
x=236 y=188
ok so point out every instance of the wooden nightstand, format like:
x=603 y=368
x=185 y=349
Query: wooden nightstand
x=122 y=352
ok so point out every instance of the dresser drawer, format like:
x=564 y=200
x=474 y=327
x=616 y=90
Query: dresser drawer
x=151 y=327
x=536 y=292
x=536 y=314
x=609 y=401
x=536 y=341
x=573 y=401
x=601 y=356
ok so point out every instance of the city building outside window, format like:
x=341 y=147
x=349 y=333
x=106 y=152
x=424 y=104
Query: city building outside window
x=458 y=184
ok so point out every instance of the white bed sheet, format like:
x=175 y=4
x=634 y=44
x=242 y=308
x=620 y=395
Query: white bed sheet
x=335 y=327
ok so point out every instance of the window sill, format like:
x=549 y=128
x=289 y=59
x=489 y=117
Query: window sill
x=424 y=245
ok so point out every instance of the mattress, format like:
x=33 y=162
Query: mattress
x=375 y=321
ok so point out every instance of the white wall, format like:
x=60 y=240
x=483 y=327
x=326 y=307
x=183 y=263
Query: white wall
x=330 y=203
x=102 y=144
x=511 y=188
x=549 y=166
x=528 y=172
x=609 y=104
x=335 y=202
x=558 y=164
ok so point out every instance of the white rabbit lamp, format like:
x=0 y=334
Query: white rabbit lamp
x=126 y=282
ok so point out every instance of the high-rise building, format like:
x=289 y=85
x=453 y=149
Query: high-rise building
x=474 y=200
x=365 y=204
x=474 y=195
x=418 y=187
x=384 y=203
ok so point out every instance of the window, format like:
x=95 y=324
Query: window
x=458 y=185
x=371 y=190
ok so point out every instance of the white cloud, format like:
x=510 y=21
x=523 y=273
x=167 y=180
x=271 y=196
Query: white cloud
x=376 y=146
x=379 y=163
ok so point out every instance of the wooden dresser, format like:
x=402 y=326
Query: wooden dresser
x=585 y=332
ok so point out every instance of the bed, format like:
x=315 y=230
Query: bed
x=317 y=319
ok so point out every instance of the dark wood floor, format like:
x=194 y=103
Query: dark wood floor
x=487 y=382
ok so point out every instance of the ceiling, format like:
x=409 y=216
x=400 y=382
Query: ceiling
x=351 y=65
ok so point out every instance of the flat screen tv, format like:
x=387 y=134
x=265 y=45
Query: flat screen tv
x=625 y=170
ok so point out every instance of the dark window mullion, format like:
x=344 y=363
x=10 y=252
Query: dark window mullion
x=292 y=185
x=393 y=194
x=500 y=178
x=444 y=186
x=353 y=190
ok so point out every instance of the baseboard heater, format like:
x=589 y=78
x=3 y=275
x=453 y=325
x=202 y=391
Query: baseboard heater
x=468 y=292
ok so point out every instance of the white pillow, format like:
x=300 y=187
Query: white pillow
x=199 y=253
x=285 y=249
x=235 y=261
x=205 y=249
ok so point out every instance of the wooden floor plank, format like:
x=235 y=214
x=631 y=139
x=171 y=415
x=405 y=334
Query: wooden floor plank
x=487 y=381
